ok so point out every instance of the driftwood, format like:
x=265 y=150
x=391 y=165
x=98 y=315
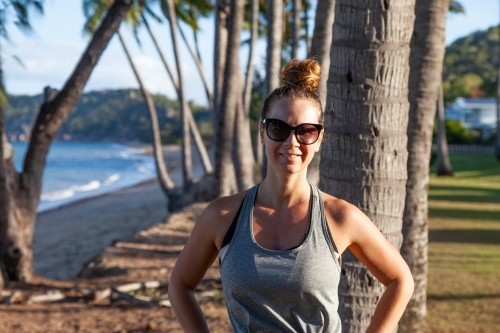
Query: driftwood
x=118 y=295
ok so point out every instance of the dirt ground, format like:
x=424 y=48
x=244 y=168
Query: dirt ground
x=88 y=304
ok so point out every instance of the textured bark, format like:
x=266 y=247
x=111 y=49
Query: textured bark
x=187 y=163
x=320 y=50
x=200 y=146
x=444 y=166
x=166 y=182
x=296 y=26
x=274 y=40
x=24 y=188
x=426 y=62
x=363 y=159
x=231 y=92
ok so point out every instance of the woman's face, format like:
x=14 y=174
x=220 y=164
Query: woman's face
x=291 y=156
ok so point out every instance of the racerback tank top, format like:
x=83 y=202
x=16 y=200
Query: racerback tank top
x=282 y=291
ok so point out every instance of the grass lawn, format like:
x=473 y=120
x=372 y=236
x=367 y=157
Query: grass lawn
x=464 y=247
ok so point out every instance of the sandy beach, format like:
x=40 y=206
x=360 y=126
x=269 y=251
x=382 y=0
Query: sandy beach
x=69 y=236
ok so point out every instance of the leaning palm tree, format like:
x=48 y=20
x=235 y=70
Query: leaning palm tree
x=207 y=164
x=94 y=11
x=426 y=63
x=363 y=156
x=24 y=188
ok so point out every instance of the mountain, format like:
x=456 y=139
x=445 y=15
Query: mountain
x=107 y=115
x=470 y=66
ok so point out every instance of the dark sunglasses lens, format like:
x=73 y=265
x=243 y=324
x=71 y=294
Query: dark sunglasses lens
x=278 y=130
x=307 y=134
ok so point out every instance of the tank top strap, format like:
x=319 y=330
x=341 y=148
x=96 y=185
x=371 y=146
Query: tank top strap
x=320 y=225
x=243 y=232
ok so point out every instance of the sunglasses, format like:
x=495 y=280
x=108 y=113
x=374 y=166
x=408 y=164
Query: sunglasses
x=278 y=130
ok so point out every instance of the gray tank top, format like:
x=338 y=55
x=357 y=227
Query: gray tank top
x=282 y=291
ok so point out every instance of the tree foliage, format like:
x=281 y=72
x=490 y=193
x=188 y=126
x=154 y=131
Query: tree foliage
x=470 y=67
x=107 y=115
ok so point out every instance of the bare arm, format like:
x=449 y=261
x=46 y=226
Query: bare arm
x=381 y=258
x=196 y=258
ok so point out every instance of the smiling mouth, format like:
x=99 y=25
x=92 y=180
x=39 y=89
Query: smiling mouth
x=290 y=155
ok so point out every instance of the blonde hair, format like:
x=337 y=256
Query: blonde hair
x=299 y=80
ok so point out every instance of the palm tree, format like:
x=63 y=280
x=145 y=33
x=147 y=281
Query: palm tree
x=426 y=62
x=273 y=60
x=320 y=49
x=22 y=16
x=296 y=26
x=231 y=93
x=94 y=10
x=363 y=159
x=207 y=165
x=444 y=166
x=24 y=188
x=187 y=164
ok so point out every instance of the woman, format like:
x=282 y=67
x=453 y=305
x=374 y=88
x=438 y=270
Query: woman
x=280 y=250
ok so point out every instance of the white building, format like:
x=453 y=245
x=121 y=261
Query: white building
x=475 y=114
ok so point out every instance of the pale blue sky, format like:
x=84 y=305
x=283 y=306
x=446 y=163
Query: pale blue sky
x=51 y=53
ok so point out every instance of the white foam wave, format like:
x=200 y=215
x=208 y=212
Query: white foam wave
x=93 y=185
x=111 y=179
x=58 y=195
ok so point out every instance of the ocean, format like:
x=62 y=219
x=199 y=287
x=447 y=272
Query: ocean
x=78 y=170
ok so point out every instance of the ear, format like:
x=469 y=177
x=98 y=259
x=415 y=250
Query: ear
x=320 y=140
x=262 y=130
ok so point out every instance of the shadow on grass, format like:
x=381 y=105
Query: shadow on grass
x=460 y=297
x=465 y=194
x=464 y=214
x=478 y=236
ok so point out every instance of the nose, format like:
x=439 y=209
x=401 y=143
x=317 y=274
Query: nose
x=292 y=139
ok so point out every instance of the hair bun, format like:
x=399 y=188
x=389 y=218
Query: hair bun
x=305 y=74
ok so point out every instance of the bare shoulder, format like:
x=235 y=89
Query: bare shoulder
x=340 y=211
x=344 y=220
x=219 y=215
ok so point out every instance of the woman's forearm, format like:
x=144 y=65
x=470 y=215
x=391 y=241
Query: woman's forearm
x=391 y=306
x=187 y=309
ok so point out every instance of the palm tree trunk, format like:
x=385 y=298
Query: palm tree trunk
x=254 y=23
x=220 y=49
x=244 y=162
x=273 y=63
x=187 y=164
x=444 y=166
x=426 y=63
x=24 y=188
x=231 y=92
x=320 y=49
x=4 y=206
x=163 y=177
x=363 y=160
x=497 y=142
x=296 y=26
x=201 y=70
x=207 y=165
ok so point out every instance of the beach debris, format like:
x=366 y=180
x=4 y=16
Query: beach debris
x=118 y=298
x=165 y=303
x=125 y=288
x=50 y=296
x=16 y=298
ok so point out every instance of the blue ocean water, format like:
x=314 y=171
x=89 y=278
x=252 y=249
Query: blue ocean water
x=77 y=170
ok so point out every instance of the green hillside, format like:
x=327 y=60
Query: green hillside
x=470 y=67
x=107 y=115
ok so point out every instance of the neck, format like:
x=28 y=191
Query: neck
x=289 y=190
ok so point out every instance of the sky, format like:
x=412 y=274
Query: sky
x=50 y=54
